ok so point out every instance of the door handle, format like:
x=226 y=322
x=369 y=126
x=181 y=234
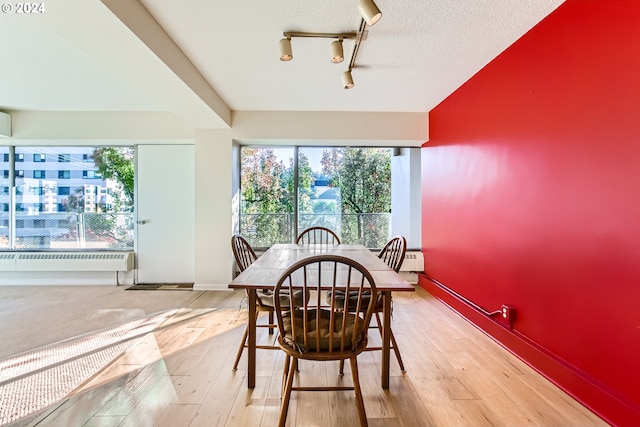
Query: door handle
x=142 y=221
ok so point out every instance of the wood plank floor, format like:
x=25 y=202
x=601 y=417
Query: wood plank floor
x=180 y=375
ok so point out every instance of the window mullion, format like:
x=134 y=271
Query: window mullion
x=295 y=193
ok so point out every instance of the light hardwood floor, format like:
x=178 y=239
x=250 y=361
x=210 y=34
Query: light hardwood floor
x=180 y=375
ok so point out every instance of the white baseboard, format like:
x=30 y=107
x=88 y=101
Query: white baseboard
x=211 y=287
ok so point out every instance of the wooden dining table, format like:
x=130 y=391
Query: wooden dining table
x=267 y=269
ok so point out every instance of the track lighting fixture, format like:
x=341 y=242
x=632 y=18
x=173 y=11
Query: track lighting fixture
x=286 y=54
x=347 y=80
x=369 y=11
x=370 y=15
x=337 y=54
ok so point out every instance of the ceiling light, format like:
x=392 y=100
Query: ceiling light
x=337 y=51
x=286 y=54
x=347 y=80
x=369 y=11
x=337 y=54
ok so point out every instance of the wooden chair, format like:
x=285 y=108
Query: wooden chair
x=321 y=235
x=305 y=332
x=392 y=254
x=245 y=256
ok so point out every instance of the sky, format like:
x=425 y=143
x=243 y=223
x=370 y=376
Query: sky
x=314 y=154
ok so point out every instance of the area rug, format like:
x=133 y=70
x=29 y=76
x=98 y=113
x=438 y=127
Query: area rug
x=161 y=287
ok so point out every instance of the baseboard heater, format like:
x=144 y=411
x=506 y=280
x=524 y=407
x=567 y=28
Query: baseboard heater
x=66 y=261
x=413 y=262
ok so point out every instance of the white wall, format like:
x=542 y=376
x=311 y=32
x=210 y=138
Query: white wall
x=213 y=209
x=405 y=196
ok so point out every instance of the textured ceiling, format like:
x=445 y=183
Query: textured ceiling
x=80 y=56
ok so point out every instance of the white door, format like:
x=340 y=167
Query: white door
x=165 y=203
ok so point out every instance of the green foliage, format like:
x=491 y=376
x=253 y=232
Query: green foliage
x=361 y=177
x=117 y=163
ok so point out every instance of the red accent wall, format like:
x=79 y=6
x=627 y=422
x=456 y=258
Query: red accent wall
x=531 y=197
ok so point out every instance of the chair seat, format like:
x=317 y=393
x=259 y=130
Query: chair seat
x=353 y=300
x=266 y=297
x=328 y=339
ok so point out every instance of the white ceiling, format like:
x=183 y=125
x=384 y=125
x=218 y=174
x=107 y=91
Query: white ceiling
x=87 y=55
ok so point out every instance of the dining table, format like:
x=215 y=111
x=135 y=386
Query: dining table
x=265 y=271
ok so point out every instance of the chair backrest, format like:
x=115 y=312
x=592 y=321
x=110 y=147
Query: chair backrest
x=242 y=252
x=393 y=252
x=314 y=235
x=317 y=277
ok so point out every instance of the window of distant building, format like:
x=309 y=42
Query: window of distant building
x=40 y=174
x=64 y=174
x=39 y=158
x=91 y=175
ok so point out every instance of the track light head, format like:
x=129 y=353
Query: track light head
x=347 y=80
x=337 y=53
x=286 y=54
x=369 y=11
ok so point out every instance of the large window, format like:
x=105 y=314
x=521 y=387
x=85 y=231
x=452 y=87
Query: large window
x=285 y=190
x=52 y=207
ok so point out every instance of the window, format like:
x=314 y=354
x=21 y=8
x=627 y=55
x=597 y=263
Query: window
x=90 y=174
x=5 y=156
x=347 y=189
x=64 y=209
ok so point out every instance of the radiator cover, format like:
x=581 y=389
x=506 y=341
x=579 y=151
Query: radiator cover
x=66 y=261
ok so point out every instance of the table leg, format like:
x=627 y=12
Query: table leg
x=386 y=338
x=251 y=339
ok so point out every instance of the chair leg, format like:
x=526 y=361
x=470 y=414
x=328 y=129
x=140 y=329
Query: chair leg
x=285 y=373
x=243 y=344
x=341 y=371
x=271 y=322
x=284 y=408
x=356 y=387
x=394 y=343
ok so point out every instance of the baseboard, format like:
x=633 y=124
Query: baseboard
x=601 y=400
x=211 y=287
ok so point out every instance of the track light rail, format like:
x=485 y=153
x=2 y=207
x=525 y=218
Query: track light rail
x=351 y=35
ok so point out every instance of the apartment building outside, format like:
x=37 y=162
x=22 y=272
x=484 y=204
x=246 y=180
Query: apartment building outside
x=59 y=201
